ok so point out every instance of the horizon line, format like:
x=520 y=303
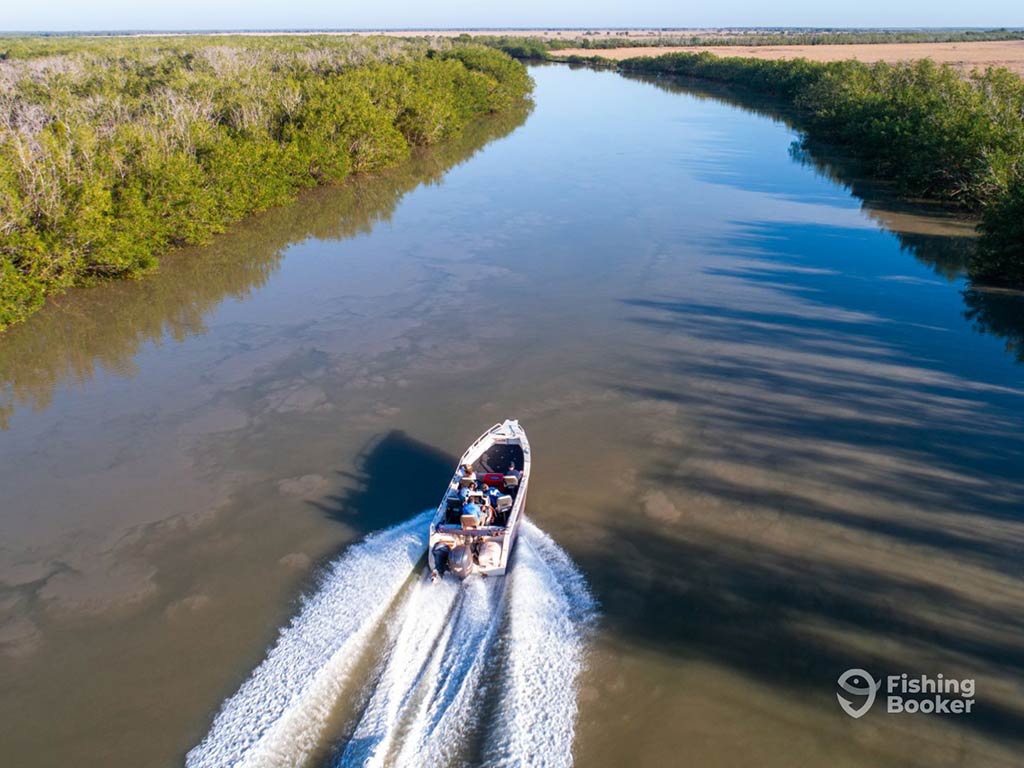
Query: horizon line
x=506 y=28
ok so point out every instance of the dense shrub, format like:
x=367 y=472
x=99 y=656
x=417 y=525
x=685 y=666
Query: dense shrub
x=928 y=128
x=1000 y=259
x=518 y=46
x=113 y=151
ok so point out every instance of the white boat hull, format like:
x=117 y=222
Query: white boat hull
x=462 y=549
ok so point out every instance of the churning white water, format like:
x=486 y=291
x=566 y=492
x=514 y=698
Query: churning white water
x=478 y=671
x=278 y=715
x=451 y=693
x=550 y=609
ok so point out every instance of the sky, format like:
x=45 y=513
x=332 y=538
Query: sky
x=86 y=15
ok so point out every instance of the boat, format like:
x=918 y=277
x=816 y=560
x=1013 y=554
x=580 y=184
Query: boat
x=475 y=527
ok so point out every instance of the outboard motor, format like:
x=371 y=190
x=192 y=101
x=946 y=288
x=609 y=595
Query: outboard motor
x=460 y=561
x=441 y=553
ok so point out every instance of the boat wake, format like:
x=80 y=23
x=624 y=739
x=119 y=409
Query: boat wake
x=481 y=671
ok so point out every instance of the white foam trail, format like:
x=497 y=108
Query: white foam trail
x=550 y=613
x=278 y=716
x=420 y=625
x=526 y=633
x=451 y=705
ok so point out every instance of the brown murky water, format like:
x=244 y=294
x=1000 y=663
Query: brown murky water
x=766 y=427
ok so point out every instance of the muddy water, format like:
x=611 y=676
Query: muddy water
x=771 y=427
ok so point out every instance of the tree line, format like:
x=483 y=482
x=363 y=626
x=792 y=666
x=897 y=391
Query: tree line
x=539 y=48
x=795 y=37
x=113 y=151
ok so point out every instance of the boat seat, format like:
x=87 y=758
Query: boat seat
x=510 y=482
x=453 y=508
x=469 y=521
x=504 y=503
x=493 y=479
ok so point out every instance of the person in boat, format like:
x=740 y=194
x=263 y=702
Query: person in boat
x=485 y=498
x=515 y=472
x=474 y=509
x=491 y=494
x=466 y=490
x=466 y=474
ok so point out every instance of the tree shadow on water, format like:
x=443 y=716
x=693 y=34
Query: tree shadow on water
x=853 y=496
x=782 y=619
x=396 y=477
x=998 y=312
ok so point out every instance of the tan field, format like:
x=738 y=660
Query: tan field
x=967 y=56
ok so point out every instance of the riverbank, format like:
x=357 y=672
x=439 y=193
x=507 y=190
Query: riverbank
x=118 y=149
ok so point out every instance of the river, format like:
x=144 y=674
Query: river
x=771 y=426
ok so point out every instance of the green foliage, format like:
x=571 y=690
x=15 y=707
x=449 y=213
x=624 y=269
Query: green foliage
x=510 y=78
x=928 y=128
x=111 y=151
x=517 y=46
x=1000 y=258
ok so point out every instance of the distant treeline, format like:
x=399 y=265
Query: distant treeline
x=112 y=151
x=533 y=48
x=798 y=37
x=931 y=130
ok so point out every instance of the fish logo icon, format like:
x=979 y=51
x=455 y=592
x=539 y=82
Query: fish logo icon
x=859 y=683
